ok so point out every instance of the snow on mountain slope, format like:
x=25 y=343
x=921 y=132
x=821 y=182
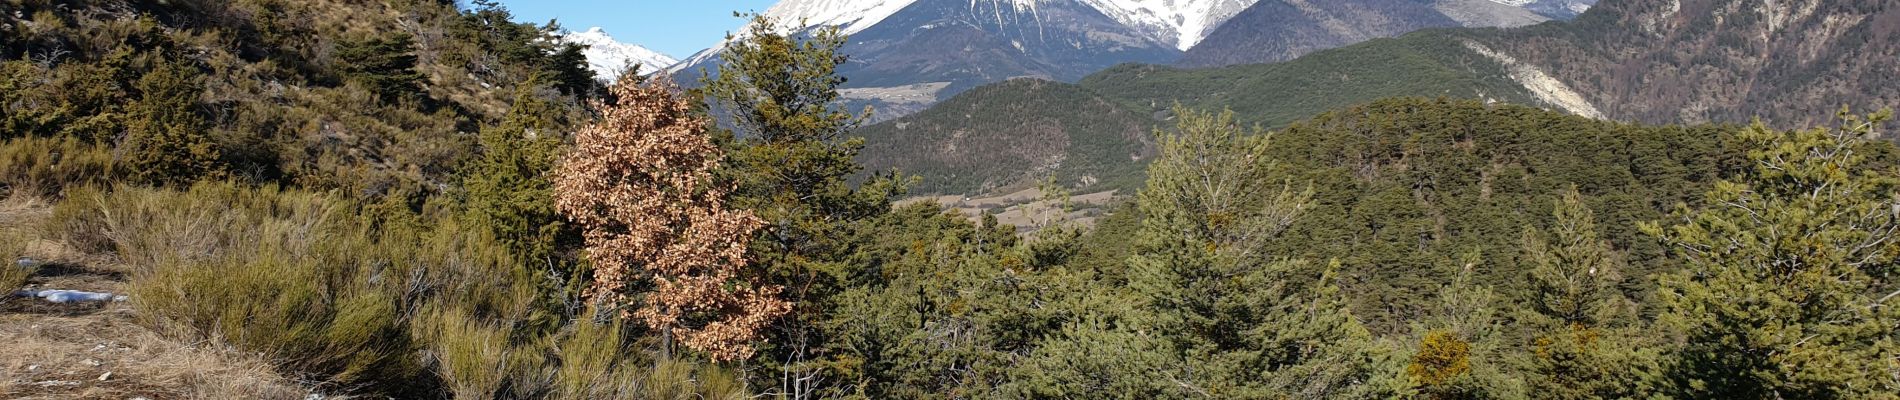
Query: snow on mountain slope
x=1182 y=22
x=850 y=16
x=609 y=57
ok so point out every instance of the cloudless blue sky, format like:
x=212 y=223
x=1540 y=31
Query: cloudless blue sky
x=678 y=28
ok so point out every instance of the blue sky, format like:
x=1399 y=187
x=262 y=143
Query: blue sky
x=675 y=27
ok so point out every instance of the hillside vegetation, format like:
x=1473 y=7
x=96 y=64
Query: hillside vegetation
x=1134 y=97
x=420 y=200
x=980 y=141
x=1711 y=61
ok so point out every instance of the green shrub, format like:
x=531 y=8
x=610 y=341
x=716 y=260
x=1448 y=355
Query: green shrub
x=166 y=140
x=294 y=275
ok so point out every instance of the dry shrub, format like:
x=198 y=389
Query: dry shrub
x=598 y=361
x=374 y=299
x=45 y=166
x=293 y=275
x=12 y=275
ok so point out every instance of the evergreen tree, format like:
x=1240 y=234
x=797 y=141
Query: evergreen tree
x=1788 y=285
x=1577 y=324
x=567 y=68
x=510 y=191
x=1240 y=322
x=1461 y=353
x=167 y=141
x=509 y=187
x=386 y=65
x=793 y=163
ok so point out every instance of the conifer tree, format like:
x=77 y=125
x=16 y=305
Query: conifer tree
x=1576 y=322
x=510 y=188
x=1241 y=323
x=793 y=164
x=567 y=69
x=386 y=65
x=1788 y=286
x=1460 y=352
x=664 y=246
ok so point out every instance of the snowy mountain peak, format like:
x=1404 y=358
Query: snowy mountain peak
x=850 y=16
x=609 y=57
x=1182 y=22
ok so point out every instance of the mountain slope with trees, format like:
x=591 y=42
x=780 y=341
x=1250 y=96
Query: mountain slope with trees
x=1616 y=62
x=1136 y=97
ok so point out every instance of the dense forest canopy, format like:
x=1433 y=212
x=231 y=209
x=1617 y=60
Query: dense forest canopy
x=411 y=199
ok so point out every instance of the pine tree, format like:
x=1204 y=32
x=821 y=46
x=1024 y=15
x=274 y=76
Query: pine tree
x=567 y=68
x=1240 y=322
x=510 y=188
x=664 y=246
x=793 y=166
x=1788 y=285
x=1461 y=353
x=386 y=65
x=1577 y=323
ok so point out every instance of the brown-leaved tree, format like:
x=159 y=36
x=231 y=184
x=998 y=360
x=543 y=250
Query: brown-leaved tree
x=666 y=250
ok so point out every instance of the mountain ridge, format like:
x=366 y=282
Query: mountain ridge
x=1635 y=61
x=1280 y=30
x=609 y=57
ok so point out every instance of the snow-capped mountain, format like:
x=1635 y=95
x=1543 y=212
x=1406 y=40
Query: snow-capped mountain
x=850 y=16
x=1181 y=22
x=1281 y=30
x=609 y=58
x=907 y=54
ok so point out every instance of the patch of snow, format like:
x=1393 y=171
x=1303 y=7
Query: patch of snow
x=1182 y=22
x=608 y=57
x=69 y=296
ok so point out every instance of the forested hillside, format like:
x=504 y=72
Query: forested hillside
x=979 y=141
x=380 y=98
x=1715 y=61
x=1720 y=60
x=1270 y=95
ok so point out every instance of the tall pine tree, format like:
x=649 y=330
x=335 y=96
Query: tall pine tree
x=792 y=162
x=1576 y=323
x=1237 y=321
x=1788 y=286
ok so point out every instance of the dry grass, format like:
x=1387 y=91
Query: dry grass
x=105 y=355
x=62 y=351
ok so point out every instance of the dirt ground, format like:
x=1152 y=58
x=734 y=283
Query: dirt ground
x=102 y=350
